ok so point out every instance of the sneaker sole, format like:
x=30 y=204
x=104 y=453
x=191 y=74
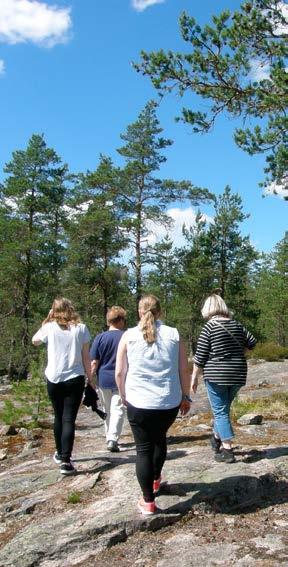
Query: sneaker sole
x=145 y=512
x=68 y=473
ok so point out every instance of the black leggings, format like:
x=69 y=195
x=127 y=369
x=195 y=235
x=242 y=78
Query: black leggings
x=149 y=428
x=66 y=398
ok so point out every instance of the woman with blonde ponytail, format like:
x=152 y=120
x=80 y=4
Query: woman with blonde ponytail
x=154 y=383
x=67 y=341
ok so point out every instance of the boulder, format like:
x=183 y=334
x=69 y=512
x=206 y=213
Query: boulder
x=250 y=419
x=8 y=430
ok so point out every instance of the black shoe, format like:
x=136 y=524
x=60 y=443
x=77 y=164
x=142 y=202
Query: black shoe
x=215 y=443
x=113 y=446
x=67 y=468
x=225 y=456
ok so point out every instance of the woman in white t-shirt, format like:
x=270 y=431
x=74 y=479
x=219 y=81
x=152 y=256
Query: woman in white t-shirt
x=67 y=341
x=154 y=383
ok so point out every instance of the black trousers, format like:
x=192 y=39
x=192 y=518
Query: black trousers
x=149 y=428
x=66 y=398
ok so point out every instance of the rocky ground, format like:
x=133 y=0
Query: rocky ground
x=210 y=514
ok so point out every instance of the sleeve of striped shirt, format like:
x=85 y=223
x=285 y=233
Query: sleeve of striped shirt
x=203 y=348
x=250 y=340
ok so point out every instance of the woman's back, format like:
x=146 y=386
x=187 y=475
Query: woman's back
x=153 y=368
x=220 y=350
x=64 y=349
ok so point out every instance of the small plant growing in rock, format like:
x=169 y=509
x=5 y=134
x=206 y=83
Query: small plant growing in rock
x=74 y=497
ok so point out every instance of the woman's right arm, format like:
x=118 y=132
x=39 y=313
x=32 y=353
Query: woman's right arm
x=40 y=337
x=121 y=366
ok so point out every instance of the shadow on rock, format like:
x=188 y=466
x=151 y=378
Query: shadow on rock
x=255 y=455
x=231 y=495
x=178 y=439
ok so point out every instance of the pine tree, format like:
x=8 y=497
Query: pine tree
x=30 y=194
x=232 y=255
x=218 y=65
x=143 y=197
x=271 y=294
x=95 y=276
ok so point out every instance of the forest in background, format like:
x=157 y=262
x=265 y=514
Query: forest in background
x=88 y=237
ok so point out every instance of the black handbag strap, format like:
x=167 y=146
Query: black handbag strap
x=229 y=333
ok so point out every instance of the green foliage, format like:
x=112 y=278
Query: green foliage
x=28 y=401
x=144 y=197
x=32 y=246
x=271 y=294
x=275 y=406
x=238 y=64
x=269 y=351
x=74 y=497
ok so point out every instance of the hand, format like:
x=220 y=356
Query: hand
x=92 y=384
x=184 y=407
x=123 y=400
x=194 y=384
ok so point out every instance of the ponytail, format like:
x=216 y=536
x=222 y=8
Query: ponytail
x=150 y=308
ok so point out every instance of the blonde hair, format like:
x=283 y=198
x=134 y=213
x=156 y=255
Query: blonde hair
x=215 y=305
x=63 y=312
x=149 y=305
x=115 y=314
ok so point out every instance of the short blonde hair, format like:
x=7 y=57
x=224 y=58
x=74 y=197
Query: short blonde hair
x=215 y=305
x=115 y=314
x=151 y=310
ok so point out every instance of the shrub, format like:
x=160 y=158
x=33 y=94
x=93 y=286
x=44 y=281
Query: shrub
x=28 y=400
x=269 y=351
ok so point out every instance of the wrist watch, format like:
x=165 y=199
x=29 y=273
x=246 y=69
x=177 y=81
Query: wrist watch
x=187 y=398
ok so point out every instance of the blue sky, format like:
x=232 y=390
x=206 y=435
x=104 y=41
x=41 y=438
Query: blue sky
x=65 y=71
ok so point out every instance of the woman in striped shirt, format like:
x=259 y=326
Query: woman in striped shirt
x=220 y=357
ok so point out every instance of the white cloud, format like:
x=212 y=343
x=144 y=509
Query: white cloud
x=282 y=28
x=278 y=189
x=141 y=5
x=179 y=217
x=2 y=67
x=259 y=70
x=33 y=21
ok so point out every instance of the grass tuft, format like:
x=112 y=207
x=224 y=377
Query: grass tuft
x=74 y=497
x=272 y=407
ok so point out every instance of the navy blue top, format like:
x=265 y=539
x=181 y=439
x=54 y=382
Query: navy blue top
x=104 y=349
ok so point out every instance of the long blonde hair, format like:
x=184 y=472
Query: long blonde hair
x=63 y=312
x=149 y=305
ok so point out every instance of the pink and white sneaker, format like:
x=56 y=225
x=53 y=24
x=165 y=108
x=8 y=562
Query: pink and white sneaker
x=146 y=508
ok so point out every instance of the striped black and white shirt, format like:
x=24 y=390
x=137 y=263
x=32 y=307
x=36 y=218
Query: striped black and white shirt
x=220 y=351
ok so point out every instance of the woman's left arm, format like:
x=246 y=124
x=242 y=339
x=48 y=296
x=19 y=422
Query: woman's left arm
x=87 y=363
x=121 y=367
x=185 y=379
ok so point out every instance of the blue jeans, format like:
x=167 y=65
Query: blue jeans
x=221 y=398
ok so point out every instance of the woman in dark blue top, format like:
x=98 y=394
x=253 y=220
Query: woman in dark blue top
x=103 y=356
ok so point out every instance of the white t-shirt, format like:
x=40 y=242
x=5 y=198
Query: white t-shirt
x=152 y=380
x=64 y=350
